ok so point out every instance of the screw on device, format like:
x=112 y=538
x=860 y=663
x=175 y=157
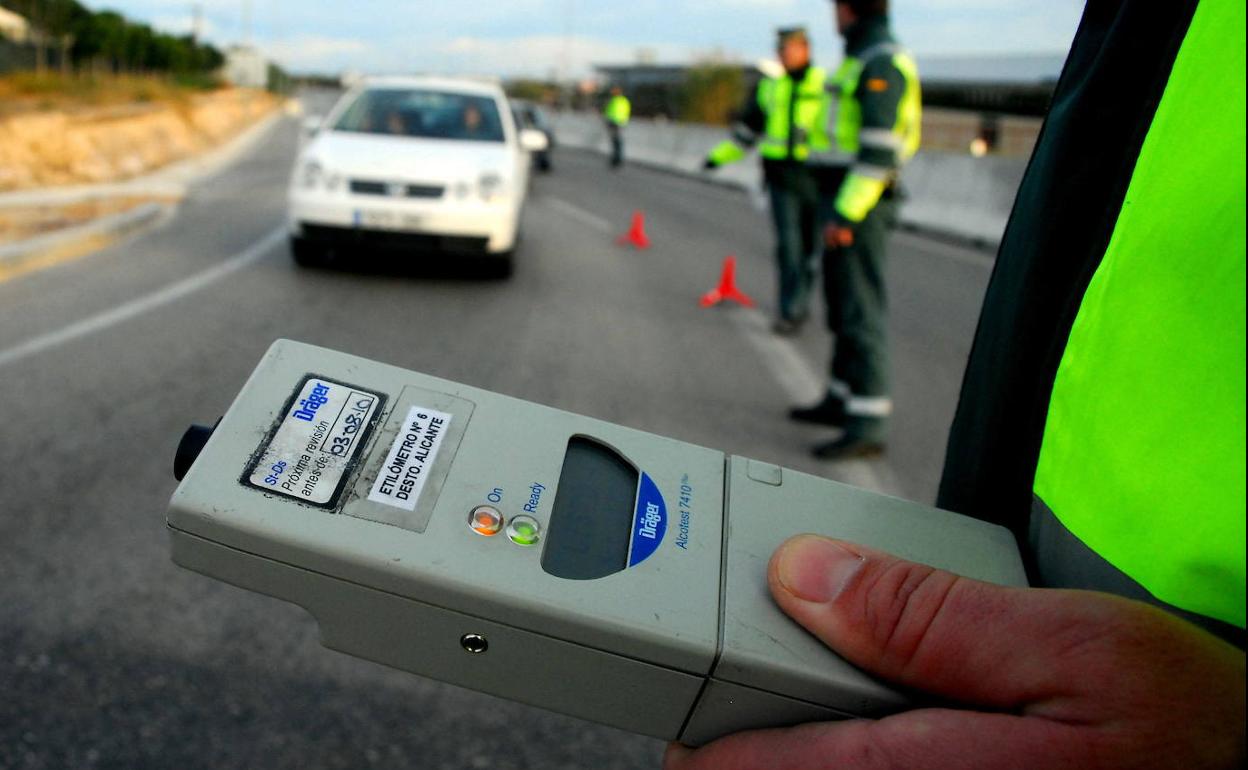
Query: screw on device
x=474 y=643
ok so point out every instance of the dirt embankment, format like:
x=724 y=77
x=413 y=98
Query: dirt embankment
x=108 y=144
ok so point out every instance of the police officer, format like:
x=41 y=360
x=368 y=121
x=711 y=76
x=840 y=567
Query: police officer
x=787 y=117
x=1102 y=421
x=877 y=122
x=616 y=114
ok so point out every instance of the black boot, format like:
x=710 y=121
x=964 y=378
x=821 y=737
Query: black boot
x=849 y=447
x=829 y=411
x=863 y=437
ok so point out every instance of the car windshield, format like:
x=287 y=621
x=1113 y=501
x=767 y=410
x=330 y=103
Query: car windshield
x=426 y=114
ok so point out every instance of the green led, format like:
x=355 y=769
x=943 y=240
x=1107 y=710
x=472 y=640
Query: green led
x=524 y=530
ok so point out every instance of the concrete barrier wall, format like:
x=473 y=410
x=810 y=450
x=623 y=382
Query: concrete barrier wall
x=947 y=193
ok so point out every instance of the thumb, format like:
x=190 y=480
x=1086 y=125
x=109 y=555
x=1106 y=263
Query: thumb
x=928 y=629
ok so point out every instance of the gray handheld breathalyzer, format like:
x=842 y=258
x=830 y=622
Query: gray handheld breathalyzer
x=541 y=556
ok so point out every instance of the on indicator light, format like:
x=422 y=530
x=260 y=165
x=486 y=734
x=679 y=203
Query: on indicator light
x=485 y=520
x=524 y=530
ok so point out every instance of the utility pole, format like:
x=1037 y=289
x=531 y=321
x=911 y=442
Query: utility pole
x=197 y=23
x=565 y=56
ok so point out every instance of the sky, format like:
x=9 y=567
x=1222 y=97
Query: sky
x=564 y=38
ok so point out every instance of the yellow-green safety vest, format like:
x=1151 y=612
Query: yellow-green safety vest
x=618 y=110
x=810 y=109
x=809 y=127
x=866 y=182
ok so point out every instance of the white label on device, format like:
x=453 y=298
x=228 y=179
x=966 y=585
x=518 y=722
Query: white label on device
x=410 y=461
x=316 y=442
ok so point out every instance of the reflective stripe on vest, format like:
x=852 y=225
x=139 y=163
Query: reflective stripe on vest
x=810 y=116
x=1143 y=454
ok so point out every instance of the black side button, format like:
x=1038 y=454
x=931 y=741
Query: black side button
x=189 y=447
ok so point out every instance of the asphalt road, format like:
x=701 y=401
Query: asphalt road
x=112 y=657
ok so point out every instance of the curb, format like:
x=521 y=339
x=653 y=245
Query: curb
x=170 y=181
x=113 y=226
x=917 y=214
x=982 y=245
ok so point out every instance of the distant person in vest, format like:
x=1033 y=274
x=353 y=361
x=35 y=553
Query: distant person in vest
x=616 y=115
x=877 y=127
x=787 y=117
x=1102 y=421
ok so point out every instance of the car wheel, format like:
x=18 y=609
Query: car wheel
x=543 y=163
x=306 y=254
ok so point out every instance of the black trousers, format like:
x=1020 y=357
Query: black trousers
x=617 y=144
x=857 y=300
x=795 y=194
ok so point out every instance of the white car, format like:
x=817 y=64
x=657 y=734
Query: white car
x=419 y=163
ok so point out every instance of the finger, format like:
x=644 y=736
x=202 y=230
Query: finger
x=930 y=738
x=935 y=631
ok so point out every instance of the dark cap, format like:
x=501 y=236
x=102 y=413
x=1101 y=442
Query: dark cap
x=866 y=7
x=785 y=34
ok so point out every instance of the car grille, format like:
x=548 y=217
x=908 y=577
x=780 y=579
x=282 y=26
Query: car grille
x=396 y=189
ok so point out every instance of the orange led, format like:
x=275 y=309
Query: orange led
x=485 y=520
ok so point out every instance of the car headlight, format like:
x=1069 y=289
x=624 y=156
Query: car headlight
x=491 y=185
x=313 y=175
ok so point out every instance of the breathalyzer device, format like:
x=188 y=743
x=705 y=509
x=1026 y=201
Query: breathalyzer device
x=553 y=559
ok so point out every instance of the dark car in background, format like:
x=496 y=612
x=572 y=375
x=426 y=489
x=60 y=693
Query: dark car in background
x=531 y=116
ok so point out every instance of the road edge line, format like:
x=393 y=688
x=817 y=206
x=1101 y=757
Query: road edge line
x=139 y=306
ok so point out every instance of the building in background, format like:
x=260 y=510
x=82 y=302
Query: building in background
x=14 y=27
x=659 y=89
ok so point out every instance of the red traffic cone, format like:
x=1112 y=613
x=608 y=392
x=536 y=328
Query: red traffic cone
x=727 y=288
x=636 y=234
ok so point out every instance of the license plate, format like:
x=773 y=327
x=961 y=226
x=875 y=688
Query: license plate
x=387 y=220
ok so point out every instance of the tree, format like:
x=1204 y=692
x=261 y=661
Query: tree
x=712 y=92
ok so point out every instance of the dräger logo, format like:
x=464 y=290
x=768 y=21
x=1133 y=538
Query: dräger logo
x=315 y=400
x=650 y=521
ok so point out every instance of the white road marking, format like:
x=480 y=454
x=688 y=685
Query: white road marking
x=803 y=385
x=580 y=214
x=141 y=305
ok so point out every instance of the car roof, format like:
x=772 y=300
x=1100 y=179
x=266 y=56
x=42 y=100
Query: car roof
x=463 y=85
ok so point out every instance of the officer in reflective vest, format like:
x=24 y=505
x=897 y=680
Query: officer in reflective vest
x=616 y=114
x=787 y=118
x=878 y=110
x=1102 y=420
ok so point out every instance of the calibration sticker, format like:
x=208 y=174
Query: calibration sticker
x=410 y=461
x=317 y=442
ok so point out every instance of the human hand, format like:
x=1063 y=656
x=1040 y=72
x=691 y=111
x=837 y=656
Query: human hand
x=1048 y=678
x=838 y=236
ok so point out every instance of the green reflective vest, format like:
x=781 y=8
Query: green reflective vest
x=1142 y=458
x=797 y=116
x=1102 y=415
x=618 y=110
x=887 y=147
x=796 y=121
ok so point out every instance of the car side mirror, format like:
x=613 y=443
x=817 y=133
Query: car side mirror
x=532 y=140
